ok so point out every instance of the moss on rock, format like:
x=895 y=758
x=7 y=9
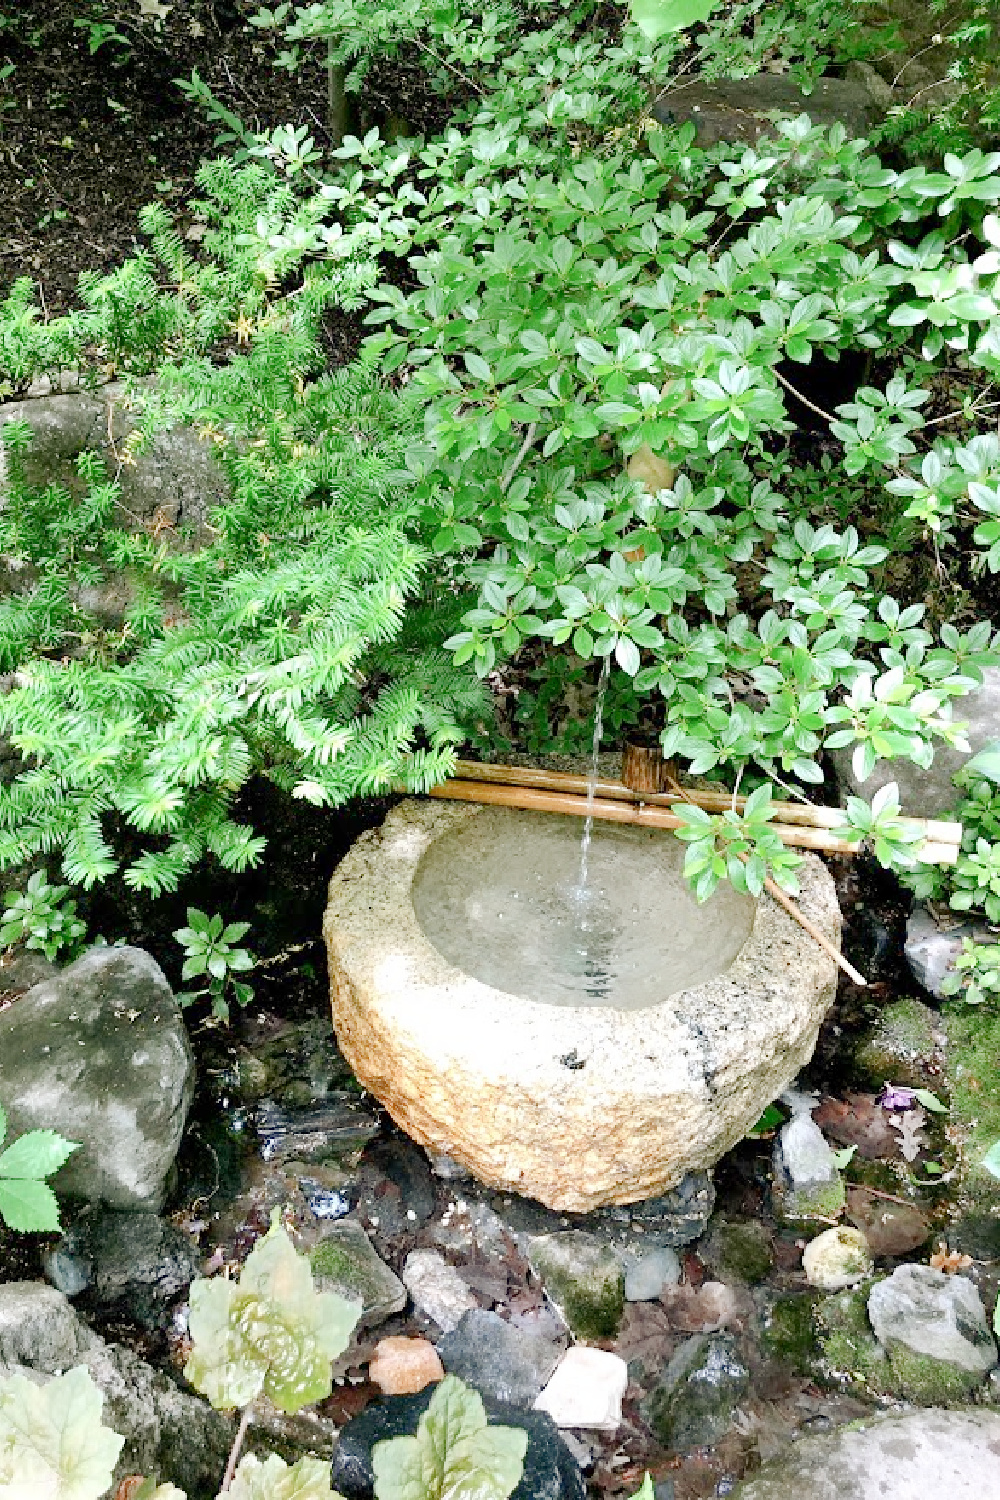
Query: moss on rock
x=903 y=1048
x=853 y=1356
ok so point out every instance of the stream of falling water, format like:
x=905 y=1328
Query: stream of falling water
x=588 y=825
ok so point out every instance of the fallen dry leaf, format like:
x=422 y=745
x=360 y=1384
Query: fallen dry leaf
x=909 y=1124
x=645 y=1336
x=949 y=1261
x=858 y=1120
x=700 y=1309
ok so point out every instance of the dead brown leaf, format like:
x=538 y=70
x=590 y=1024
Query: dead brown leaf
x=858 y=1120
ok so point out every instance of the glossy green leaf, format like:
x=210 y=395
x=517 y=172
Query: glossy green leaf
x=29 y=1206
x=656 y=18
x=36 y=1154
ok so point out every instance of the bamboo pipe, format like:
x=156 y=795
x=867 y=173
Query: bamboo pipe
x=538 y=799
x=941 y=846
x=535 y=799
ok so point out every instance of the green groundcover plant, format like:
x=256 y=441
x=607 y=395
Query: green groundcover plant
x=575 y=436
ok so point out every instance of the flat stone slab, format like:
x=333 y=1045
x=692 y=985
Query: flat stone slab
x=576 y=1105
x=948 y=1455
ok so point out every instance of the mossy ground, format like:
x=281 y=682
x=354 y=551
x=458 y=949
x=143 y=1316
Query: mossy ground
x=973 y=1071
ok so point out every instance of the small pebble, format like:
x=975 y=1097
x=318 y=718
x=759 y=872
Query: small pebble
x=403 y=1366
x=837 y=1258
x=648 y=1271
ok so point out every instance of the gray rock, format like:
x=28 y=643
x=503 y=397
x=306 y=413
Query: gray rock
x=739 y=109
x=931 y=793
x=345 y=1262
x=674 y=1218
x=499 y=1360
x=648 y=1269
x=583 y=1278
x=100 y=1054
x=807 y=1185
x=38 y=1328
x=175 y=484
x=437 y=1289
x=68 y=1272
x=445 y=1167
x=168 y=1433
x=905 y=1047
x=928 y=1313
x=136 y=1263
x=904 y=1456
x=694 y=1401
x=931 y=950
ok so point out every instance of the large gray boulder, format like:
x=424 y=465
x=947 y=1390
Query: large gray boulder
x=930 y=793
x=908 y=1456
x=937 y=1316
x=100 y=1054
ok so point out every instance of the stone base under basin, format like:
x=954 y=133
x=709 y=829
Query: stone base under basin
x=577 y=1105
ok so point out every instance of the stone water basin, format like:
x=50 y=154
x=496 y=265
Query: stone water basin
x=583 y=1051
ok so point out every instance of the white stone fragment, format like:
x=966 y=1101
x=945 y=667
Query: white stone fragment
x=586 y=1390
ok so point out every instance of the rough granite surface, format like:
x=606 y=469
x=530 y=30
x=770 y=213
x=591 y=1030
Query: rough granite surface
x=482 y=1075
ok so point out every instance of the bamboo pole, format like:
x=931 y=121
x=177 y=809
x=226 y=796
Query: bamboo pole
x=612 y=810
x=942 y=839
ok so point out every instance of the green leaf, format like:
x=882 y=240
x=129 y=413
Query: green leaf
x=986 y=762
x=273 y=1479
x=269 y=1332
x=656 y=18
x=28 y=1206
x=930 y=1101
x=455 y=1455
x=39 y=1153
x=991 y=1161
x=53 y=1445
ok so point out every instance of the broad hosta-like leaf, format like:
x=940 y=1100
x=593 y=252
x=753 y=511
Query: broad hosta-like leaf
x=53 y=1445
x=656 y=18
x=275 y=1480
x=455 y=1455
x=270 y=1332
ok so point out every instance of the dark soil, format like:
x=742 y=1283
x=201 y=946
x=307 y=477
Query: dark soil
x=87 y=139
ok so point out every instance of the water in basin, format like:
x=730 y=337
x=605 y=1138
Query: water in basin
x=501 y=900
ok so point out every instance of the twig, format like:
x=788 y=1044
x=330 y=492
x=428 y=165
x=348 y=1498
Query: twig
x=804 y=399
x=522 y=453
x=446 y=64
